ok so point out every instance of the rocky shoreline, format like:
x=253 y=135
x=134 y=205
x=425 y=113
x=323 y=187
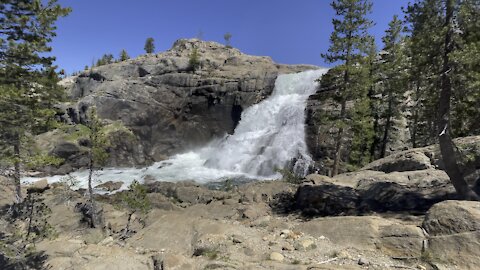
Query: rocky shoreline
x=368 y=219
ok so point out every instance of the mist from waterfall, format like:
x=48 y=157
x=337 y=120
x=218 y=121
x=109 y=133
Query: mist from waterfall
x=270 y=135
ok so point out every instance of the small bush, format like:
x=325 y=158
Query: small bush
x=210 y=253
x=194 y=61
x=289 y=176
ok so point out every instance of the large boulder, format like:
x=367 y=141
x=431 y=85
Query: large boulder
x=410 y=160
x=170 y=107
x=430 y=157
x=371 y=191
x=65 y=150
x=454 y=234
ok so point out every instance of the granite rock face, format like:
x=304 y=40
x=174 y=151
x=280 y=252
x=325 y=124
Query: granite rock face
x=370 y=191
x=453 y=228
x=169 y=106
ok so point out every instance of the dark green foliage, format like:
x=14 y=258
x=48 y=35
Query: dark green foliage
x=105 y=60
x=392 y=74
x=427 y=80
x=227 y=38
x=289 y=177
x=124 y=56
x=135 y=200
x=149 y=45
x=28 y=82
x=97 y=156
x=194 y=60
x=426 y=51
x=28 y=225
x=349 y=44
x=445 y=75
x=372 y=96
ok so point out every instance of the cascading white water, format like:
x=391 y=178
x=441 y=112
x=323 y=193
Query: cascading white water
x=270 y=135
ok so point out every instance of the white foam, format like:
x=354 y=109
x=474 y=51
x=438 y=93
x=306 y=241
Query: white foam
x=269 y=135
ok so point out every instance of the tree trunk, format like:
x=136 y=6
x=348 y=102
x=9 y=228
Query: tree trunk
x=373 y=109
x=30 y=204
x=447 y=147
x=386 y=132
x=127 y=227
x=373 y=146
x=343 y=110
x=16 y=174
x=338 y=141
x=90 y=191
x=385 y=137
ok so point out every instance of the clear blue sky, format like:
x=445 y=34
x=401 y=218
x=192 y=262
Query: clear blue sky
x=289 y=31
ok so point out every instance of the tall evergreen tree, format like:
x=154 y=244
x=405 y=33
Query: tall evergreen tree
x=393 y=77
x=28 y=82
x=424 y=47
x=124 y=56
x=97 y=156
x=441 y=26
x=149 y=45
x=348 y=44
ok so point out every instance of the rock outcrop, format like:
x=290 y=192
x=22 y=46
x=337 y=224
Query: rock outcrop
x=370 y=191
x=238 y=227
x=411 y=180
x=169 y=106
x=454 y=235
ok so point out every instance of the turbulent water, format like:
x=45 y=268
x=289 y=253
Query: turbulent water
x=270 y=135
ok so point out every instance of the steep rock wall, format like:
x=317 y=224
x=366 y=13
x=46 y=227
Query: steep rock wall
x=169 y=107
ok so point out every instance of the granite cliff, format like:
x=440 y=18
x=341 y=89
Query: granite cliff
x=167 y=105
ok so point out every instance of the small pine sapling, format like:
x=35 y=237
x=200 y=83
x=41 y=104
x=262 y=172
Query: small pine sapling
x=135 y=200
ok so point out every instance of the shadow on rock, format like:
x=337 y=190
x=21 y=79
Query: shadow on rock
x=367 y=192
x=19 y=258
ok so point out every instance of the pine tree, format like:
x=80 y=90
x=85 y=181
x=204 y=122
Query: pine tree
x=124 y=56
x=106 y=59
x=28 y=82
x=97 y=156
x=392 y=70
x=348 y=44
x=227 y=38
x=466 y=97
x=194 y=60
x=424 y=47
x=149 y=45
x=440 y=26
x=134 y=200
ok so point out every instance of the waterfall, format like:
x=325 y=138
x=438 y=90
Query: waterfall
x=270 y=135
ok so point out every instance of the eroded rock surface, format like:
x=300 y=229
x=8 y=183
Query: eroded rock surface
x=373 y=191
x=169 y=106
x=454 y=234
x=237 y=228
